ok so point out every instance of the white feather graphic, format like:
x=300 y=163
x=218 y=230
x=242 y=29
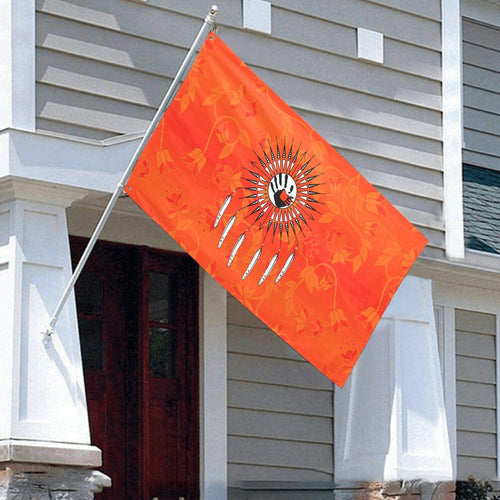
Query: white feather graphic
x=269 y=269
x=284 y=269
x=254 y=260
x=235 y=249
x=226 y=230
x=222 y=210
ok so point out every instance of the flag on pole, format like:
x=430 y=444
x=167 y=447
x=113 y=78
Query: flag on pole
x=273 y=212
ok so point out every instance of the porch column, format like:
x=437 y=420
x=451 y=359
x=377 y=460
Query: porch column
x=213 y=385
x=43 y=413
x=390 y=419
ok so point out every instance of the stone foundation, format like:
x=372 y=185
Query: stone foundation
x=20 y=481
x=397 y=490
x=343 y=490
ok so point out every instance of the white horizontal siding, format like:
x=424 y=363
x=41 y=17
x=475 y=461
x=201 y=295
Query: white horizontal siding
x=476 y=394
x=280 y=408
x=102 y=68
x=481 y=73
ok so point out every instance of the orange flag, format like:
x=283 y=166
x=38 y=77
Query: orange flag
x=273 y=212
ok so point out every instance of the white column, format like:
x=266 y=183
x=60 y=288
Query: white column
x=451 y=34
x=213 y=389
x=43 y=413
x=390 y=417
x=17 y=64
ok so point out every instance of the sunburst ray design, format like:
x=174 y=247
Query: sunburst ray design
x=280 y=194
x=283 y=187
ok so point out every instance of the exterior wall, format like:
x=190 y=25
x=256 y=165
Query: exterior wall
x=280 y=408
x=468 y=313
x=477 y=349
x=101 y=73
x=481 y=74
x=476 y=394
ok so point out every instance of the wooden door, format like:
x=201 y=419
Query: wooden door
x=137 y=311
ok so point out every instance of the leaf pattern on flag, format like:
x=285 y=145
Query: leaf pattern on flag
x=163 y=158
x=351 y=254
x=226 y=178
x=307 y=325
x=243 y=102
x=338 y=319
x=197 y=158
x=143 y=168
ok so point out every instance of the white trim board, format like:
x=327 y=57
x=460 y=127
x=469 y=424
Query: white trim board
x=92 y=165
x=213 y=389
x=465 y=297
x=451 y=31
x=17 y=64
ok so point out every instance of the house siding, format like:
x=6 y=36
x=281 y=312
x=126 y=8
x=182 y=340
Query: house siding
x=101 y=73
x=481 y=75
x=476 y=394
x=476 y=368
x=280 y=408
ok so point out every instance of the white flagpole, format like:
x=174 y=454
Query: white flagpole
x=208 y=24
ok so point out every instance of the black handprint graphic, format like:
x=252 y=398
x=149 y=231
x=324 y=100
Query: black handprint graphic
x=282 y=190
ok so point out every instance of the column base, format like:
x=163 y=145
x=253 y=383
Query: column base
x=343 y=490
x=46 y=452
x=409 y=490
x=44 y=470
x=25 y=481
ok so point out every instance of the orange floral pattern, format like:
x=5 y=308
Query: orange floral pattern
x=353 y=253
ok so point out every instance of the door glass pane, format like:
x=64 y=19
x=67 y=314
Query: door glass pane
x=161 y=295
x=91 y=343
x=90 y=290
x=162 y=353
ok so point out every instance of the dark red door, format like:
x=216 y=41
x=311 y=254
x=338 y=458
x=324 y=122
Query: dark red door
x=137 y=311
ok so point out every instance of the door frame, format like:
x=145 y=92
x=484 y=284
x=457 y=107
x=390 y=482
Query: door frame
x=146 y=259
